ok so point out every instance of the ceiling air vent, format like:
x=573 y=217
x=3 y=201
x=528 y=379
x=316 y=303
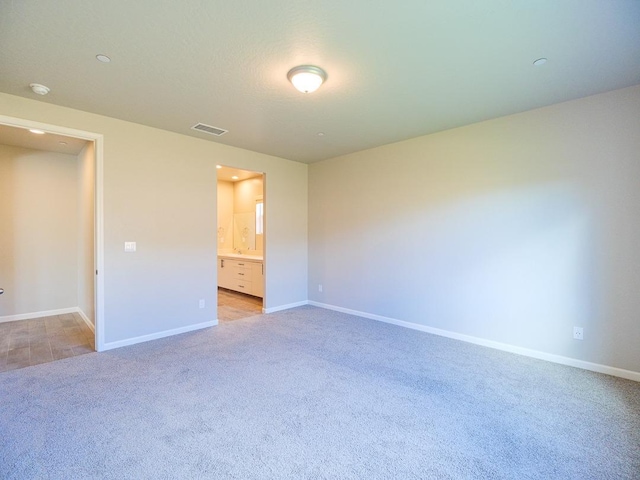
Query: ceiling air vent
x=204 y=128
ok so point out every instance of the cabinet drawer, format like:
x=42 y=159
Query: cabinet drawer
x=242 y=286
x=245 y=276
x=242 y=273
x=232 y=263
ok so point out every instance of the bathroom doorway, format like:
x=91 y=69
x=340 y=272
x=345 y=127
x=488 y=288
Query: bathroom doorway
x=241 y=241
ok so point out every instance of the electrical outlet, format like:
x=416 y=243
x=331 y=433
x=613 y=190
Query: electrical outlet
x=320 y=287
x=129 y=246
x=201 y=303
x=578 y=333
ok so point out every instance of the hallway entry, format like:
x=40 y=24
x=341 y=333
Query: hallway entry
x=49 y=221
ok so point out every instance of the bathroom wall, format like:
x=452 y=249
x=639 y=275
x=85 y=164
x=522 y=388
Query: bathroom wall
x=225 y=216
x=237 y=197
x=245 y=193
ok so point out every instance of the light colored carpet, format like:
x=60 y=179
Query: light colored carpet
x=310 y=393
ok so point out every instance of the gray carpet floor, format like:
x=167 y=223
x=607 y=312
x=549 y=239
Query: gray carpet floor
x=310 y=393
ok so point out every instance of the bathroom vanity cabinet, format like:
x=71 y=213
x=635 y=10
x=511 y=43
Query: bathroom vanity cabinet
x=240 y=274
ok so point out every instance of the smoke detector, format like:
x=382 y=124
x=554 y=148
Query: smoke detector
x=39 y=89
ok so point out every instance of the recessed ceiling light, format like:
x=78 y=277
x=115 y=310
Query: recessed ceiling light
x=539 y=62
x=218 y=166
x=36 y=131
x=39 y=89
x=103 y=58
x=307 y=78
x=235 y=177
x=321 y=134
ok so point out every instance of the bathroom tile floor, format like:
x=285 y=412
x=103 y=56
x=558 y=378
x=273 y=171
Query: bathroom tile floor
x=235 y=305
x=40 y=340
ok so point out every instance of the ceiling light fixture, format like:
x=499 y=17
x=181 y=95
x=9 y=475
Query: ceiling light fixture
x=218 y=166
x=307 y=78
x=539 y=62
x=39 y=89
x=103 y=58
x=235 y=177
x=36 y=131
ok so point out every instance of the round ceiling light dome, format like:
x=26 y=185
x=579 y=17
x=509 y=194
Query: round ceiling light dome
x=307 y=78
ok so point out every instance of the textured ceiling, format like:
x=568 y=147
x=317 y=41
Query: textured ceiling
x=397 y=69
x=227 y=173
x=22 y=137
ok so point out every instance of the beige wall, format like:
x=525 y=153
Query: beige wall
x=245 y=193
x=237 y=197
x=512 y=230
x=38 y=231
x=86 y=229
x=160 y=191
x=225 y=215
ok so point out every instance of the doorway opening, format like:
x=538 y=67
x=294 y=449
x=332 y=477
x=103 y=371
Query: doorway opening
x=241 y=241
x=52 y=234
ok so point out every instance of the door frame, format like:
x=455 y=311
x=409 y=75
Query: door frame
x=98 y=141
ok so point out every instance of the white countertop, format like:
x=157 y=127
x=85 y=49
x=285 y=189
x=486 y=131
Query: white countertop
x=241 y=256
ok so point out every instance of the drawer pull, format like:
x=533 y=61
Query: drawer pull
x=241 y=274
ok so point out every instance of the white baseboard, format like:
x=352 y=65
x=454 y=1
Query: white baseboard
x=91 y=326
x=45 y=313
x=48 y=313
x=156 y=336
x=550 y=357
x=285 y=307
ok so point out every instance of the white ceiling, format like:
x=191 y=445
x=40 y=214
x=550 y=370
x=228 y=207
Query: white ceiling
x=396 y=69
x=22 y=137
x=227 y=173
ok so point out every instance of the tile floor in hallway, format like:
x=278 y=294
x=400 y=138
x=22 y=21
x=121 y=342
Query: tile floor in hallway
x=235 y=305
x=40 y=340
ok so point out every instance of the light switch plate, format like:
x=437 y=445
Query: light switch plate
x=129 y=246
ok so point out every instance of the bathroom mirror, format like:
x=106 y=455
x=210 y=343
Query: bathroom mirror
x=244 y=231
